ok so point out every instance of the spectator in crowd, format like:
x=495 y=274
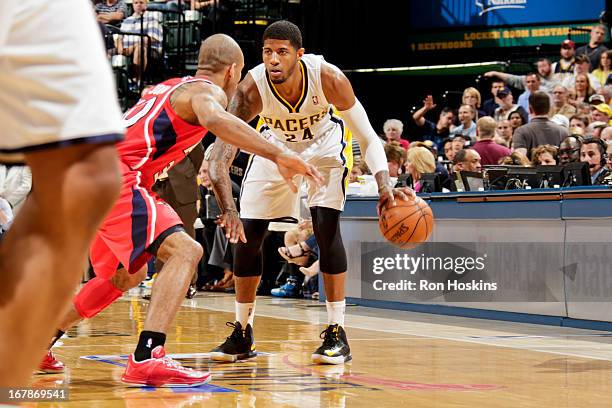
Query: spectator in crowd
x=604 y=69
x=592 y=152
x=111 y=11
x=583 y=108
x=489 y=151
x=515 y=159
x=516 y=119
x=15 y=185
x=565 y=66
x=507 y=105
x=436 y=132
x=595 y=47
x=532 y=84
x=396 y=158
x=595 y=128
x=467 y=126
x=457 y=143
x=420 y=160
x=503 y=133
x=471 y=96
x=541 y=130
x=131 y=45
x=606 y=134
x=582 y=66
x=606 y=92
x=579 y=121
x=356 y=171
x=446 y=148
x=561 y=103
x=601 y=112
x=561 y=120
x=490 y=105
x=393 y=129
x=596 y=99
x=299 y=244
x=547 y=79
x=569 y=150
x=467 y=160
x=583 y=87
x=207 y=275
x=544 y=155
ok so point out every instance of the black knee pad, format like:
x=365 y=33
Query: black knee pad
x=326 y=225
x=247 y=256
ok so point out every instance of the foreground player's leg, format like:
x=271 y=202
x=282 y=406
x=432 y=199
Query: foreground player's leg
x=95 y=296
x=148 y=365
x=326 y=224
x=240 y=345
x=52 y=230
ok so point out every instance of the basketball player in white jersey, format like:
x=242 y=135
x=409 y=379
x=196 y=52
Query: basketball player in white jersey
x=306 y=106
x=59 y=114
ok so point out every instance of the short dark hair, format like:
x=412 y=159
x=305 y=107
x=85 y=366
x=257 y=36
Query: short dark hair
x=460 y=157
x=284 y=30
x=582 y=58
x=539 y=102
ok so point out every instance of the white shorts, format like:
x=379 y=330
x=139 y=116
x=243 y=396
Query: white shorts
x=56 y=84
x=265 y=195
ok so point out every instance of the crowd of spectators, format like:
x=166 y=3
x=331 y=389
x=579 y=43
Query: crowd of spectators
x=558 y=114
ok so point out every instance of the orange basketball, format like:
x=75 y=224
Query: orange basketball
x=407 y=224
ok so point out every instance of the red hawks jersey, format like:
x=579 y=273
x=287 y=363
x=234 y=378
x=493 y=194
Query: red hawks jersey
x=156 y=138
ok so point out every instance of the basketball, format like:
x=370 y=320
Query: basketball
x=408 y=223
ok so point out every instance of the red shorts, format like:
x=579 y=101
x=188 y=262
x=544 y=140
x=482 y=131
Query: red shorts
x=136 y=220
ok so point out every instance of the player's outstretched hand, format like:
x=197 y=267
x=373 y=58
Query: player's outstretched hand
x=388 y=194
x=230 y=221
x=289 y=165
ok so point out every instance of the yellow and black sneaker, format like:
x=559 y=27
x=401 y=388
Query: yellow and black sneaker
x=335 y=348
x=240 y=345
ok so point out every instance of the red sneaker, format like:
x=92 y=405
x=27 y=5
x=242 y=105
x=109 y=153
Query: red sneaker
x=50 y=365
x=162 y=371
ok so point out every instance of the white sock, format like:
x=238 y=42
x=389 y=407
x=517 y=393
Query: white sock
x=245 y=313
x=335 y=312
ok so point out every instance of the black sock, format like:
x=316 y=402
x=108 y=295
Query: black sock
x=147 y=341
x=57 y=336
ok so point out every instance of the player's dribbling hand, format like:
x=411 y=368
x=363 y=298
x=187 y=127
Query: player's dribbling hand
x=230 y=222
x=388 y=194
x=290 y=165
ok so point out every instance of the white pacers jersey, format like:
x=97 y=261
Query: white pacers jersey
x=312 y=129
x=297 y=126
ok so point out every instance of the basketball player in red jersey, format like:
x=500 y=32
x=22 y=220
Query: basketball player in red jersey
x=161 y=129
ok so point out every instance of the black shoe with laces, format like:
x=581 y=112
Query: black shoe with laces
x=335 y=348
x=240 y=345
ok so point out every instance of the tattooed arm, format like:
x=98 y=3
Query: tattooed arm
x=245 y=104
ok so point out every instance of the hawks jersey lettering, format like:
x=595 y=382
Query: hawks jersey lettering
x=295 y=125
x=156 y=137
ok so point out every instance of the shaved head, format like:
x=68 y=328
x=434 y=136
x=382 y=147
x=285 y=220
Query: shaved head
x=218 y=52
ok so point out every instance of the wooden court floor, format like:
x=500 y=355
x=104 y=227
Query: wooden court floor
x=399 y=359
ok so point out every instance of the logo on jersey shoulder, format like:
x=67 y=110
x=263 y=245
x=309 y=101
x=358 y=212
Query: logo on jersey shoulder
x=315 y=100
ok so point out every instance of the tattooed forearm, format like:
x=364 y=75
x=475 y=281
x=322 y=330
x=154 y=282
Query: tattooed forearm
x=221 y=158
